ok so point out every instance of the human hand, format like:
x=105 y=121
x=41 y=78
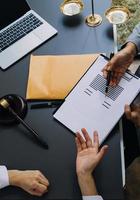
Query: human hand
x=133 y=114
x=88 y=156
x=120 y=63
x=88 y=153
x=32 y=181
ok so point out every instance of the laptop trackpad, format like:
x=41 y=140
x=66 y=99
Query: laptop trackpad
x=18 y=50
x=6 y=58
x=25 y=45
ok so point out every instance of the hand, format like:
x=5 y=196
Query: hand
x=88 y=153
x=120 y=63
x=32 y=181
x=133 y=114
x=88 y=156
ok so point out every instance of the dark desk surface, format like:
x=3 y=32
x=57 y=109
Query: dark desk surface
x=17 y=150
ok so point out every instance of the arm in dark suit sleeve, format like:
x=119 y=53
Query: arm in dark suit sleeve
x=135 y=37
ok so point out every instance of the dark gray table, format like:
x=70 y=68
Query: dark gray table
x=18 y=151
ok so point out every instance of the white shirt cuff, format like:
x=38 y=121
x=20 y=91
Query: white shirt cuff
x=4 y=178
x=96 y=197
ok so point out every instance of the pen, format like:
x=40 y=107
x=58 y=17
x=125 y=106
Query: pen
x=108 y=77
x=4 y=103
x=46 y=104
x=108 y=82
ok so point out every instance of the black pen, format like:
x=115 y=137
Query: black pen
x=4 y=103
x=47 y=104
x=109 y=74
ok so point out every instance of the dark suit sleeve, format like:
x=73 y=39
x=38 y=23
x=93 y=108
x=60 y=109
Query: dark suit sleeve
x=135 y=37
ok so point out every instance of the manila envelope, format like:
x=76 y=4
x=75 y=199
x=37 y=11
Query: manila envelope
x=53 y=77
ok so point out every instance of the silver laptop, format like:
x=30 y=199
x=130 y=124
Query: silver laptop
x=21 y=30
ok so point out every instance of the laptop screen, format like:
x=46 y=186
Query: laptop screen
x=11 y=10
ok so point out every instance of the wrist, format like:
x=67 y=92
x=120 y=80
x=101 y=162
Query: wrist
x=87 y=184
x=84 y=175
x=14 y=179
x=85 y=179
x=131 y=49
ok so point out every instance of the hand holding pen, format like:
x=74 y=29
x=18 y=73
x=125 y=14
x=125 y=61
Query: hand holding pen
x=119 y=63
x=109 y=75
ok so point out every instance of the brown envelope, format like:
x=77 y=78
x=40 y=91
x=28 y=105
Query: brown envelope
x=52 y=77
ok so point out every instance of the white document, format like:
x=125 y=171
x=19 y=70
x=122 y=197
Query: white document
x=86 y=105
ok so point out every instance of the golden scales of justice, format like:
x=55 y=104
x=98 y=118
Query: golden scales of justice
x=74 y=7
x=117 y=15
x=71 y=7
x=93 y=19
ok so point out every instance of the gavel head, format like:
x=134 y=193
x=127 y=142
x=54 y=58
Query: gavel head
x=17 y=103
x=4 y=103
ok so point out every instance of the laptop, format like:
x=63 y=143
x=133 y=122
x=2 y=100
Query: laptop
x=21 y=30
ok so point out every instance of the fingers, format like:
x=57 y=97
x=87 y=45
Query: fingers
x=115 y=77
x=118 y=66
x=35 y=182
x=87 y=137
x=35 y=193
x=81 y=141
x=96 y=140
x=38 y=189
x=40 y=178
x=78 y=144
x=102 y=152
x=43 y=180
x=105 y=72
x=86 y=142
x=133 y=115
x=127 y=110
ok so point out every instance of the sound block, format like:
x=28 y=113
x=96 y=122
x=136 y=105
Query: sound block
x=18 y=104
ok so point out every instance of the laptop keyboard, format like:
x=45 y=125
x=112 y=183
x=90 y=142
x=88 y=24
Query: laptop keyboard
x=18 y=30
